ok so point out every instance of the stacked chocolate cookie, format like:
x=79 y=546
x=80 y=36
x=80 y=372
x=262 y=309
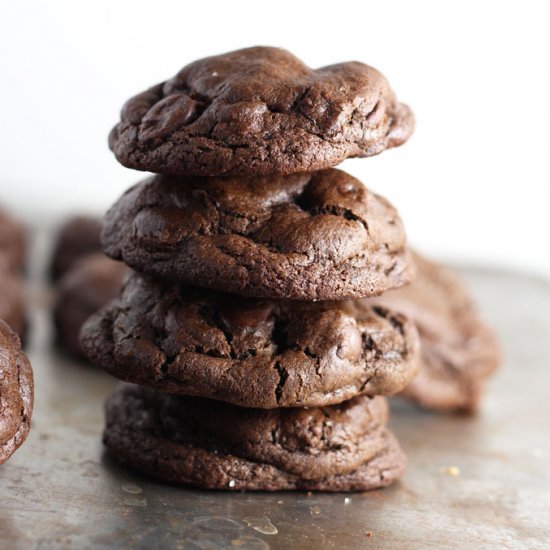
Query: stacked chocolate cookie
x=260 y=361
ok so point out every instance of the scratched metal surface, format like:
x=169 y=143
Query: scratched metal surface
x=61 y=490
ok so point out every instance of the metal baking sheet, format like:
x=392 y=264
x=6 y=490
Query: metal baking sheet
x=471 y=482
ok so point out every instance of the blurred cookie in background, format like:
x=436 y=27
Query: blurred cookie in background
x=12 y=243
x=458 y=349
x=93 y=281
x=13 y=303
x=77 y=237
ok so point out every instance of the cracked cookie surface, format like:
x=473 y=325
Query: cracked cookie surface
x=249 y=352
x=92 y=282
x=16 y=393
x=458 y=348
x=259 y=111
x=207 y=444
x=315 y=236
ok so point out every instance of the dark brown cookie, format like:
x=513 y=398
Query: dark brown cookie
x=12 y=303
x=259 y=111
x=12 y=243
x=16 y=393
x=320 y=236
x=249 y=352
x=201 y=443
x=458 y=349
x=90 y=284
x=77 y=237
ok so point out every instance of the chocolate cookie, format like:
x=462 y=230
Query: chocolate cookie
x=12 y=303
x=248 y=352
x=458 y=349
x=16 y=393
x=313 y=236
x=211 y=445
x=77 y=237
x=90 y=284
x=12 y=243
x=259 y=111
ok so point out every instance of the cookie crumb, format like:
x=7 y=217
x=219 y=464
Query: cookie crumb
x=368 y=533
x=453 y=471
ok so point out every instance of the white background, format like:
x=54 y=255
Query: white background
x=472 y=184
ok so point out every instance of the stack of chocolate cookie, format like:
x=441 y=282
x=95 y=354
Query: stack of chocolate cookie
x=261 y=362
